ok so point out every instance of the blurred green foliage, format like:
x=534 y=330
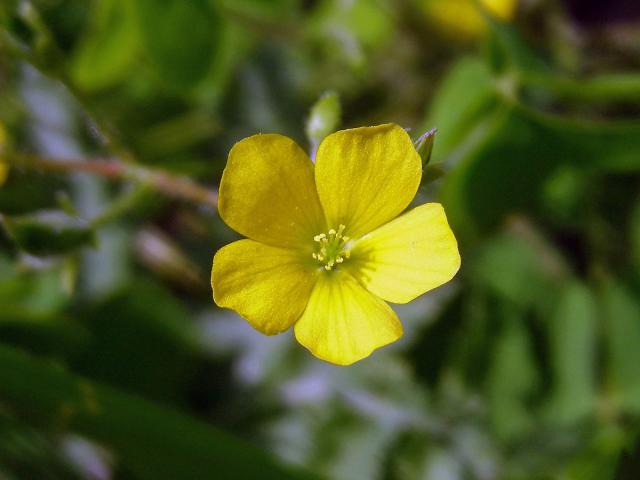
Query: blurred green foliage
x=114 y=361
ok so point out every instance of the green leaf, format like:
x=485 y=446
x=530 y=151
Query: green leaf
x=142 y=341
x=510 y=51
x=108 y=47
x=27 y=452
x=324 y=118
x=621 y=312
x=604 y=88
x=520 y=267
x=507 y=170
x=153 y=442
x=629 y=460
x=513 y=377
x=50 y=233
x=55 y=336
x=265 y=10
x=634 y=234
x=598 y=461
x=572 y=339
x=35 y=292
x=180 y=38
x=462 y=101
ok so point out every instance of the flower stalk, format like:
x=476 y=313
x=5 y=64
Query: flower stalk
x=170 y=184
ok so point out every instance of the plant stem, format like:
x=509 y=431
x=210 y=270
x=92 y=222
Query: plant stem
x=163 y=181
x=620 y=87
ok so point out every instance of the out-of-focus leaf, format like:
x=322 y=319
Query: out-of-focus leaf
x=506 y=172
x=463 y=100
x=598 y=460
x=4 y=168
x=324 y=118
x=621 y=315
x=142 y=341
x=346 y=32
x=26 y=192
x=515 y=52
x=634 y=234
x=262 y=9
x=601 y=146
x=405 y=456
x=519 y=268
x=54 y=336
x=173 y=136
x=432 y=350
x=572 y=338
x=513 y=377
x=108 y=47
x=153 y=442
x=605 y=88
x=234 y=45
x=27 y=452
x=50 y=233
x=563 y=195
x=37 y=292
x=629 y=462
x=263 y=94
x=180 y=38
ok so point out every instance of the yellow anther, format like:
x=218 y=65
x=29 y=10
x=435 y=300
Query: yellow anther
x=331 y=249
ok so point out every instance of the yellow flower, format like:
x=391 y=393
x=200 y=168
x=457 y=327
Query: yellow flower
x=325 y=248
x=462 y=16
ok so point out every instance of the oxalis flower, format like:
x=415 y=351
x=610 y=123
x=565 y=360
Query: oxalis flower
x=324 y=248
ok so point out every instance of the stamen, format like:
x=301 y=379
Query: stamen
x=331 y=250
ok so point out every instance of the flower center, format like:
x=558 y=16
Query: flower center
x=331 y=248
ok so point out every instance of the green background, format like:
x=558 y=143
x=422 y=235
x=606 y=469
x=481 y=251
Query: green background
x=114 y=361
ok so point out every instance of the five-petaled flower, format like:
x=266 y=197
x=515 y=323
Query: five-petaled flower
x=324 y=248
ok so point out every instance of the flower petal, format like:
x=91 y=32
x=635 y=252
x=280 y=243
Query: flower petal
x=366 y=176
x=343 y=323
x=267 y=192
x=267 y=286
x=408 y=256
